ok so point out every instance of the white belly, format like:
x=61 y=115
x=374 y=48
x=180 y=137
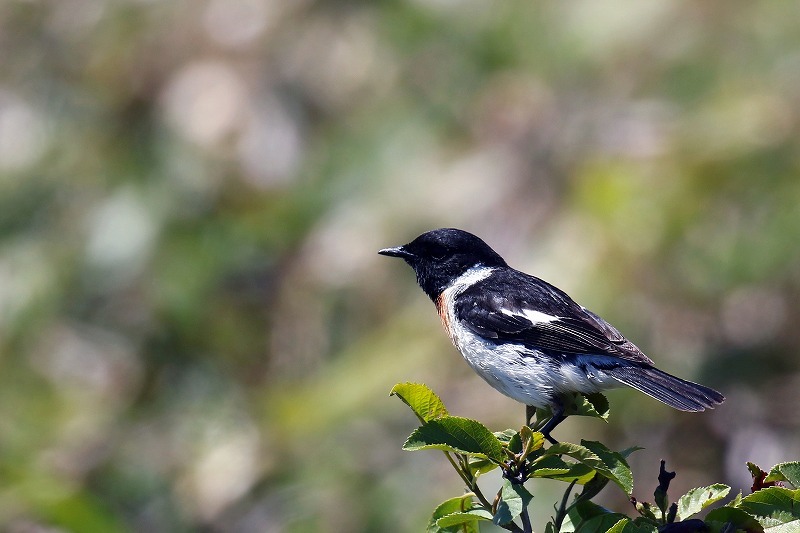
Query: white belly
x=528 y=376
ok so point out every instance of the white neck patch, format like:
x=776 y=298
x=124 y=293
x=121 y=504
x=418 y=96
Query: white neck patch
x=469 y=278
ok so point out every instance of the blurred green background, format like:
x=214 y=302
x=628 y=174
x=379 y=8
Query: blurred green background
x=196 y=332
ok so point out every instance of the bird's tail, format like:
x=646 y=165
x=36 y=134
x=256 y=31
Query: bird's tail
x=673 y=391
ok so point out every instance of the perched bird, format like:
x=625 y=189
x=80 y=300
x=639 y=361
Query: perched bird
x=529 y=339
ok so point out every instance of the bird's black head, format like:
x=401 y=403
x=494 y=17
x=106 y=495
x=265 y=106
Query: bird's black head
x=440 y=256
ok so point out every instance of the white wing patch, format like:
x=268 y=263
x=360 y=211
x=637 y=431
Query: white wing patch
x=535 y=317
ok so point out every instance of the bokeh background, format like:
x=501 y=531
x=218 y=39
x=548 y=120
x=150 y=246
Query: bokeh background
x=196 y=332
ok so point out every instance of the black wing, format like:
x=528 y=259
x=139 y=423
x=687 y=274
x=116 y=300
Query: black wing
x=511 y=306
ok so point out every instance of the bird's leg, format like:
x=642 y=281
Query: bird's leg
x=558 y=416
x=557 y=408
x=530 y=412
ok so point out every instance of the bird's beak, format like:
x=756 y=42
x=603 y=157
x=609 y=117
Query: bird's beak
x=397 y=251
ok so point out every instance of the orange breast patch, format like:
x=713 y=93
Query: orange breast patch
x=441 y=307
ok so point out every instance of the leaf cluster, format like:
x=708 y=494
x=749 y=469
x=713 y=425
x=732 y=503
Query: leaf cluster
x=473 y=450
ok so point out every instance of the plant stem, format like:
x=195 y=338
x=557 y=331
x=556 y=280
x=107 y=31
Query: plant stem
x=472 y=484
x=561 y=513
x=458 y=469
x=526 y=521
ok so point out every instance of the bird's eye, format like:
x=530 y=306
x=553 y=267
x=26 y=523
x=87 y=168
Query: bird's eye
x=438 y=253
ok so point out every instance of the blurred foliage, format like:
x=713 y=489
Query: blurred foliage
x=195 y=329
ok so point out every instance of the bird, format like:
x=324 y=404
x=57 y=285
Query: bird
x=527 y=338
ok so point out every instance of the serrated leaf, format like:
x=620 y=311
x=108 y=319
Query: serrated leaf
x=620 y=472
x=456 y=434
x=505 y=436
x=467 y=517
x=549 y=465
x=698 y=499
x=739 y=518
x=596 y=456
x=645 y=509
x=583 y=511
x=600 y=524
x=778 y=503
x=421 y=399
x=448 y=507
x=592 y=405
x=578 y=472
x=736 y=501
x=754 y=469
x=788 y=527
x=479 y=466
x=785 y=472
x=513 y=499
x=626 y=526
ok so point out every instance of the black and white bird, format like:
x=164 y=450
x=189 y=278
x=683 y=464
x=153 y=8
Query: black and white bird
x=529 y=339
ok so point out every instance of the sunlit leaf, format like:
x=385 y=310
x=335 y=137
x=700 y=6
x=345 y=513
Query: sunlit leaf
x=777 y=503
x=456 y=434
x=466 y=518
x=738 y=517
x=596 y=456
x=421 y=399
x=480 y=465
x=788 y=527
x=699 y=498
x=531 y=441
x=459 y=504
x=785 y=472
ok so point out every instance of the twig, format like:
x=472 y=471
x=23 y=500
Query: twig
x=472 y=484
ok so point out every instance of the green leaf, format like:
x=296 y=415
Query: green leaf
x=593 y=405
x=593 y=487
x=645 y=509
x=578 y=472
x=596 y=456
x=785 y=472
x=513 y=499
x=626 y=526
x=736 y=501
x=698 y=499
x=448 y=507
x=549 y=466
x=788 y=527
x=421 y=399
x=777 y=503
x=467 y=517
x=506 y=436
x=619 y=527
x=738 y=517
x=600 y=524
x=628 y=451
x=618 y=469
x=456 y=434
x=754 y=469
x=588 y=514
x=531 y=441
x=479 y=466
